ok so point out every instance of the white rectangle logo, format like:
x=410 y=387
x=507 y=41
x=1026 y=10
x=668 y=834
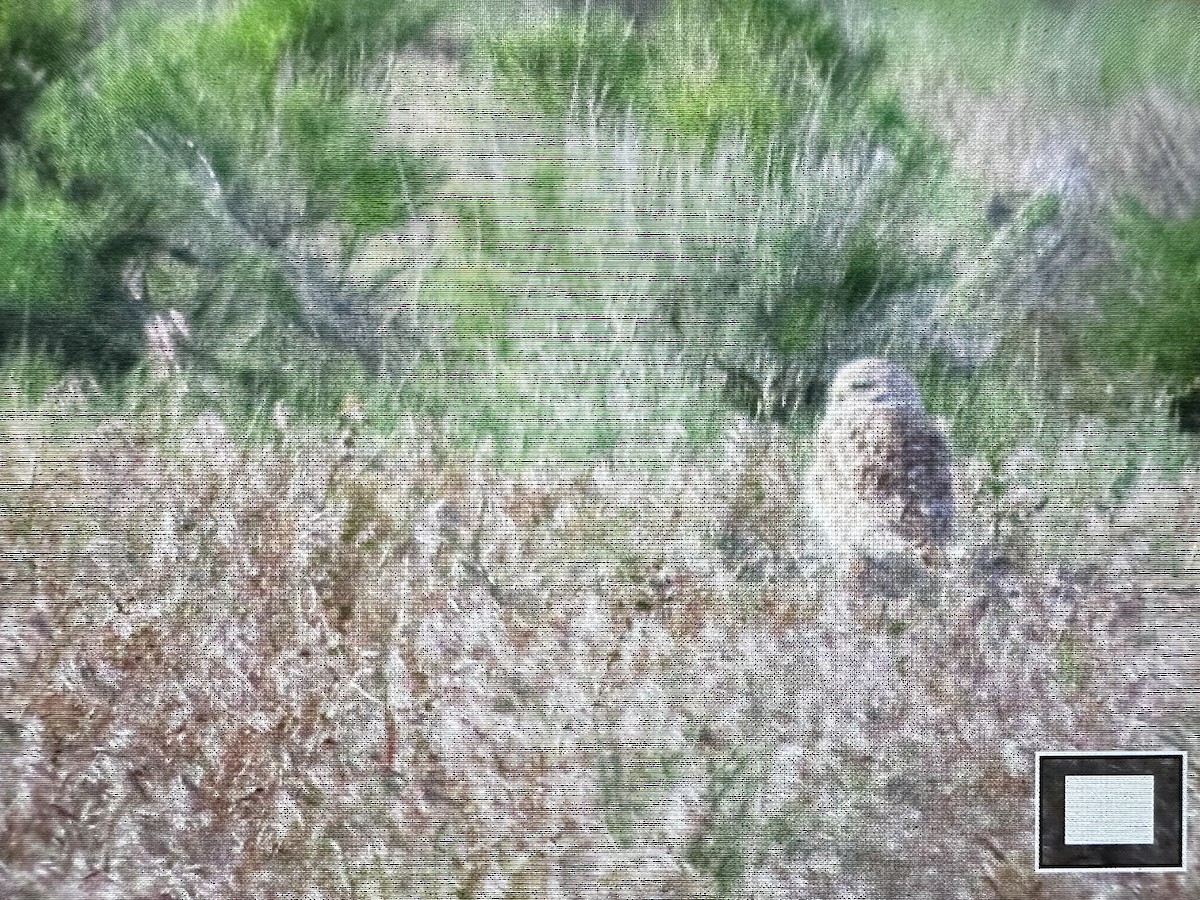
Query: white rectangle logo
x=1109 y=809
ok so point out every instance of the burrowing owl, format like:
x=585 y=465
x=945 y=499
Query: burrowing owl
x=880 y=483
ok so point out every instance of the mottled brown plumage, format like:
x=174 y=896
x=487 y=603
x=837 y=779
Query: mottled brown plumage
x=880 y=483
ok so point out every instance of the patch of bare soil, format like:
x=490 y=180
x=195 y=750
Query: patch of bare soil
x=1147 y=146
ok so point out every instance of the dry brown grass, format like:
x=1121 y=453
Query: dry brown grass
x=335 y=667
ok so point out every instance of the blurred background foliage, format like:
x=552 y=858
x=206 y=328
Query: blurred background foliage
x=226 y=155
x=605 y=217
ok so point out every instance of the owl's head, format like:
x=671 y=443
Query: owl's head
x=875 y=382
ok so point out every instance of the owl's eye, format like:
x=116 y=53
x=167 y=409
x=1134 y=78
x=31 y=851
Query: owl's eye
x=861 y=385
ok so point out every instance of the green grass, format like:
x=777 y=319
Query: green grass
x=1155 y=317
x=547 y=289
x=1096 y=49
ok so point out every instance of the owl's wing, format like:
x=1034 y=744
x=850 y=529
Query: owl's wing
x=899 y=460
x=930 y=487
